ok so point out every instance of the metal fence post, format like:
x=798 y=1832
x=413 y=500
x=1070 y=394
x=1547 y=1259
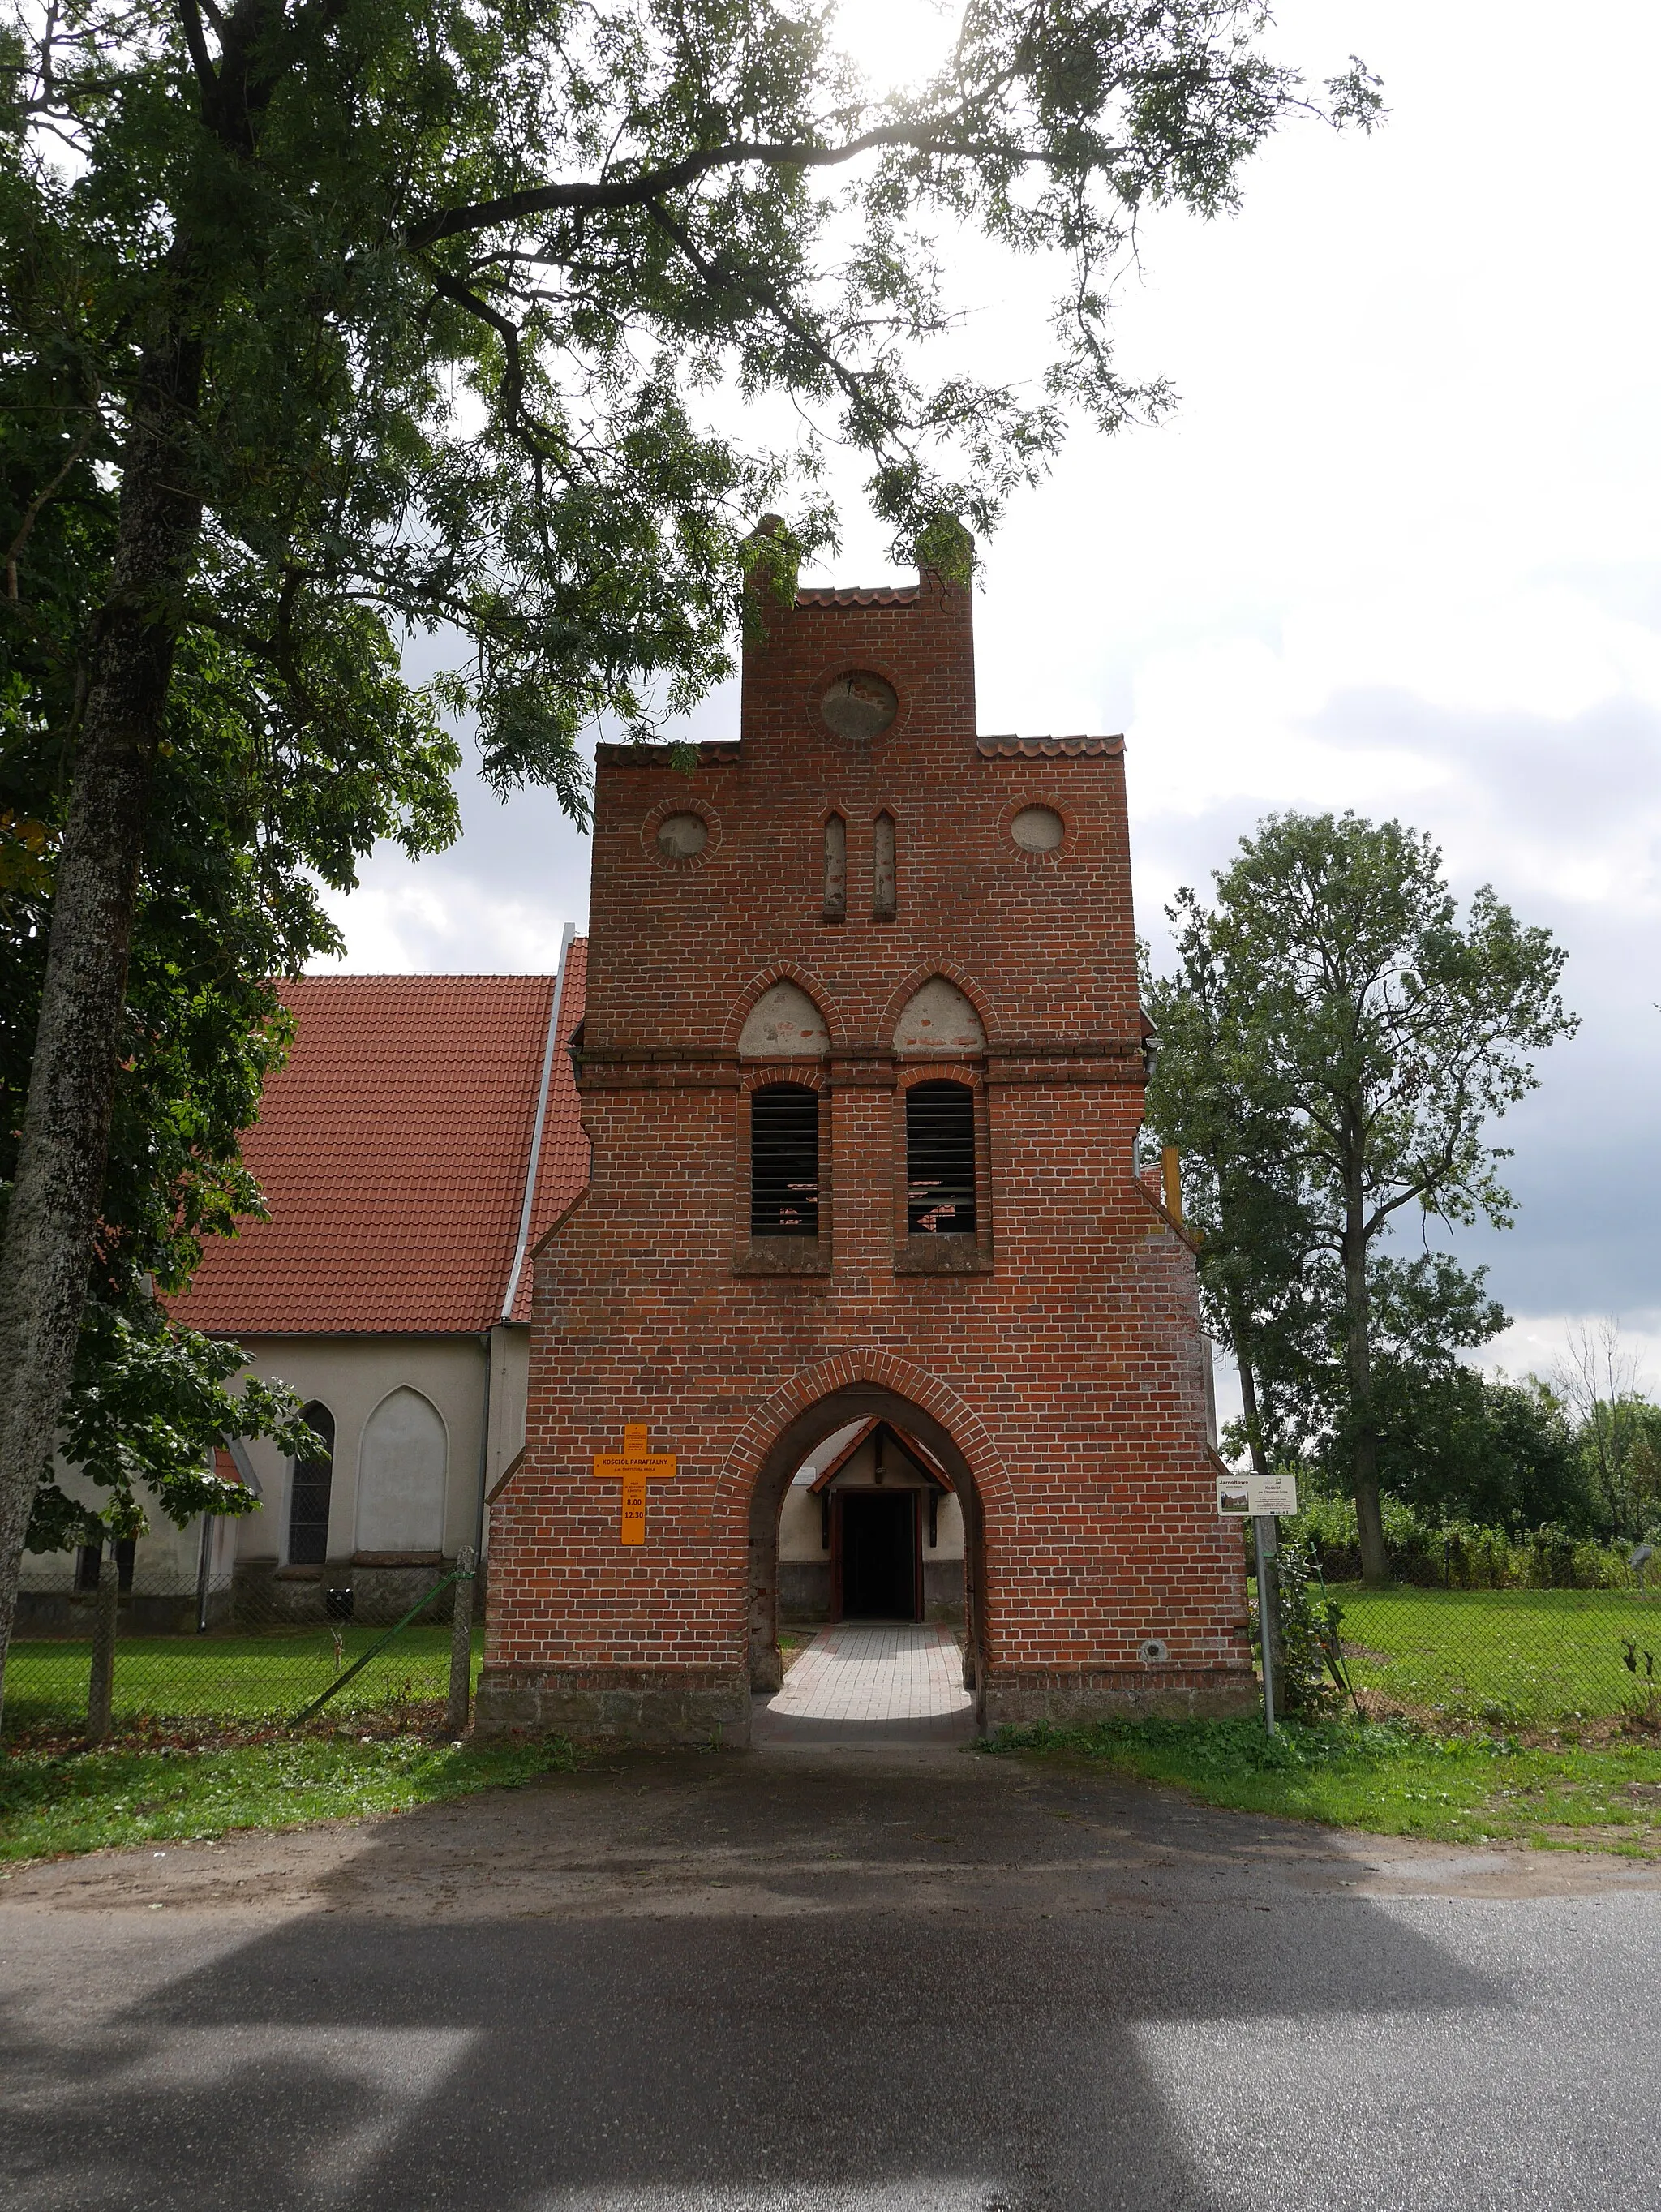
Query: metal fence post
x=101 y=1690
x=461 y=1643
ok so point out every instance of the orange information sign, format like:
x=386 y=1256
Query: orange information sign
x=633 y=1467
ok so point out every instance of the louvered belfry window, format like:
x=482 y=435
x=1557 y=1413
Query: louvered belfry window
x=783 y=1161
x=940 y=1159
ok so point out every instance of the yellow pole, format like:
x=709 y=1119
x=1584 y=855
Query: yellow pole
x=1171 y=1167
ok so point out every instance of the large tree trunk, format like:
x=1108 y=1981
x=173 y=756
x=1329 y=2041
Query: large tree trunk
x=1358 y=1356
x=50 y=1228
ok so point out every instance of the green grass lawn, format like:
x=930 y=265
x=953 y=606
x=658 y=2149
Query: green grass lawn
x=1513 y=1657
x=52 y=1805
x=1389 y=1778
x=227 y=1677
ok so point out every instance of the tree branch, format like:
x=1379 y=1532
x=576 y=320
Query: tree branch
x=650 y=185
x=200 y=60
x=32 y=512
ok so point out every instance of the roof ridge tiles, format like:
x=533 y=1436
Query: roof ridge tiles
x=859 y=595
x=423 y=978
x=1047 y=748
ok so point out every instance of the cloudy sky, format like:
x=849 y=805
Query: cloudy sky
x=1399 y=549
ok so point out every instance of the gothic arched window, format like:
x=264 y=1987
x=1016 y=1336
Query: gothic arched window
x=308 y=1492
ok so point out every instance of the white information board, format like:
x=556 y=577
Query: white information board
x=1257 y=1493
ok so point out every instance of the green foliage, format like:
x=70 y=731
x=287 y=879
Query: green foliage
x=1458 y=1445
x=1309 y=1680
x=272 y=780
x=1456 y=1553
x=227 y=1677
x=150 y=1400
x=52 y=1805
x=1333 y=1044
x=1391 y=1778
x=1391 y=1034
x=1263 y=1287
x=227 y=897
x=460 y=293
x=1617 y=1431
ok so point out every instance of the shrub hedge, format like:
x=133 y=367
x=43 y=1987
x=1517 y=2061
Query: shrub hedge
x=1460 y=1554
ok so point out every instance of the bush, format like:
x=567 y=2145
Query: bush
x=1456 y=1554
x=1309 y=1686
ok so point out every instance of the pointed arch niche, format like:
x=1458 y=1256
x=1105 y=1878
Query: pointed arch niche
x=784 y=1023
x=401 y=1465
x=938 y=1019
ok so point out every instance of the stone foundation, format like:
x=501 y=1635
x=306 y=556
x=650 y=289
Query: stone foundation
x=1143 y=1694
x=644 y=1705
x=265 y=1593
x=381 y=1595
x=139 y=1613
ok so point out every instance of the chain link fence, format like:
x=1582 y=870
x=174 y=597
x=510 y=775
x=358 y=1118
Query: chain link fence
x=1506 y=1658
x=1505 y=1652
x=100 y=1649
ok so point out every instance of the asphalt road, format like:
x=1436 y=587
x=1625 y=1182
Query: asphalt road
x=821 y=1981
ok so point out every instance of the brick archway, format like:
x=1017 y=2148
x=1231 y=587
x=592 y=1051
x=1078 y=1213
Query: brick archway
x=782 y=1433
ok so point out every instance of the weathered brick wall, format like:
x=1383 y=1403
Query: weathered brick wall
x=1059 y=1368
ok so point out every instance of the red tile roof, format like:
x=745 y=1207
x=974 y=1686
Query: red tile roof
x=393 y=1150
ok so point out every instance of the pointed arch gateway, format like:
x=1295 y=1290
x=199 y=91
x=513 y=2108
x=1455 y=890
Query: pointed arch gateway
x=888 y=1391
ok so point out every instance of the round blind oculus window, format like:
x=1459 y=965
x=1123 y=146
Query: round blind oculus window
x=859 y=705
x=1038 y=829
x=681 y=835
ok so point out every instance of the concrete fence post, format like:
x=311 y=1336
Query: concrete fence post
x=101 y=1689
x=461 y=1644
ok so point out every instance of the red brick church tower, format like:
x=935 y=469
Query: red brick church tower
x=862 y=1066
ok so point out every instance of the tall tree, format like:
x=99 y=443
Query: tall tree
x=1376 y=1037
x=382 y=314
x=228 y=896
x=1618 y=1431
x=1260 y=1286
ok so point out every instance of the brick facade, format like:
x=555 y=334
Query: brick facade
x=1052 y=1363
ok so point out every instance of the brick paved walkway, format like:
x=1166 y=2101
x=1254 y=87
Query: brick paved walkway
x=871 y=1682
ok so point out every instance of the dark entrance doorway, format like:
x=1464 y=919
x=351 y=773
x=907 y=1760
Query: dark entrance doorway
x=878 y=1553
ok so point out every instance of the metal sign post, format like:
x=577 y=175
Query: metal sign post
x=1261 y=1497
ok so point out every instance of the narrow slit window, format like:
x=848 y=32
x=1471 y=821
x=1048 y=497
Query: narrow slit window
x=882 y=869
x=783 y=1161
x=308 y=1494
x=940 y=1159
x=836 y=869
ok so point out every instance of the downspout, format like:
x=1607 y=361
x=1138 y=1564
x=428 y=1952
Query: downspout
x=522 y=1245
x=488 y=1338
x=512 y=1290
